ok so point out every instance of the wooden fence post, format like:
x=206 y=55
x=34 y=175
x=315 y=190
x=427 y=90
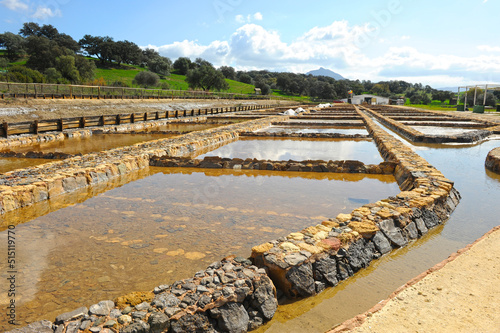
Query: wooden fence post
x=82 y=122
x=60 y=124
x=118 y=119
x=132 y=118
x=5 y=126
x=35 y=126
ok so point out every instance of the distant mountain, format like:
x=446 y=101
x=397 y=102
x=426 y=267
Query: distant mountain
x=326 y=72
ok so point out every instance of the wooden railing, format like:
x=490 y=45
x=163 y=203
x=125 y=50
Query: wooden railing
x=64 y=91
x=48 y=125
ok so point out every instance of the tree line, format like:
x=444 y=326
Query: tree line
x=55 y=57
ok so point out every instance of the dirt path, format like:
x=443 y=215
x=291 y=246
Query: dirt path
x=461 y=294
x=17 y=110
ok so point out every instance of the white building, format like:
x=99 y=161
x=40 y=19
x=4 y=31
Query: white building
x=368 y=99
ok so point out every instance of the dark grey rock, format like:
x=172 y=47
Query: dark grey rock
x=201 y=289
x=206 y=280
x=420 y=224
x=73 y=327
x=411 y=231
x=73 y=315
x=170 y=311
x=393 y=233
x=295 y=259
x=271 y=258
x=115 y=313
x=95 y=329
x=60 y=329
x=320 y=286
x=381 y=243
x=138 y=314
x=143 y=306
x=161 y=288
x=204 y=301
x=127 y=310
x=301 y=278
x=137 y=327
x=110 y=323
x=344 y=270
x=196 y=323
x=233 y=318
x=326 y=270
x=102 y=308
x=158 y=322
x=162 y=301
x=255 y=323
x=227 y=292
x=43 y=326
x=360 y=254
x=85 y=324
x=430 y=218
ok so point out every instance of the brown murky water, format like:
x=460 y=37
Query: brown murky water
x=9 y=164
x=284 y=149
x=93 y=143
x=164 y=226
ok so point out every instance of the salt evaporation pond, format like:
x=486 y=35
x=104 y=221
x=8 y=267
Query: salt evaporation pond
x=312 y=129
x=278 y=149
x=164 y=227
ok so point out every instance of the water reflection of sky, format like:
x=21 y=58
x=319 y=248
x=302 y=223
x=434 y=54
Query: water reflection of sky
x=312 y=129
x=300 y=150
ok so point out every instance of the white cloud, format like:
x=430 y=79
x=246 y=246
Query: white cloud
x=14 y=4
x=405 y=37
x=255 y=17
x=43 y=13
x=258 y=16
x=338 y=47
x=240 y=19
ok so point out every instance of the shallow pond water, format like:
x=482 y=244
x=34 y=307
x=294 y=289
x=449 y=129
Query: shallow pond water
x=283 y=149
x=93 y=143
x=9 y=163
x=164 y=226
x=312 y=129
x=436 y=130
x=182 y=127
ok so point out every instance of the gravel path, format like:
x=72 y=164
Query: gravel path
x=461 y=294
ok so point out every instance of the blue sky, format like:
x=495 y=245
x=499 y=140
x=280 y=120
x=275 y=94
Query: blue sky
x=441 y=43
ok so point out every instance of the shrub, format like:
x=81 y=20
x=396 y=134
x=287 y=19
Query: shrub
x=147 y=79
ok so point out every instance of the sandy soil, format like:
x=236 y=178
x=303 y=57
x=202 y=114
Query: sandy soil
x=17 y=110
x=461 y=294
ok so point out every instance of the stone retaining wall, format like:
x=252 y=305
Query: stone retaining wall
x=304 y=263
x=20 y=188
x=229 y=296
x=417 y=136
x=493 y=160
x=214 y=162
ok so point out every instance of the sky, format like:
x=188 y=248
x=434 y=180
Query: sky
x=442 y=43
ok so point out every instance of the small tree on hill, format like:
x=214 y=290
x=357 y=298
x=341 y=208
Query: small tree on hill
x=147 y=79
x=206 y=78
x=183 y=65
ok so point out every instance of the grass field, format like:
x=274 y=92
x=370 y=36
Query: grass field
x=432 y=107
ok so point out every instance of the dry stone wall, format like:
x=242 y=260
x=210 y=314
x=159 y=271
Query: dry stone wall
x=215 y=162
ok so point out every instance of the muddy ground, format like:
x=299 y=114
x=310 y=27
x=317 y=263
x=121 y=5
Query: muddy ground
x=17 y=110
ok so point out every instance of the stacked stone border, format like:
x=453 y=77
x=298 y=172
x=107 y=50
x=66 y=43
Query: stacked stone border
x=215 y=162
x=416 y=136
x=304 y=263
x=493 y=160
x=359 y=320
x=21 y=188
